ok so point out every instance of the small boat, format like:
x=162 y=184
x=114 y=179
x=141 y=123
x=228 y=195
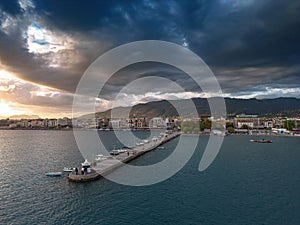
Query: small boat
x=122 y=150
x=114 y=152
x=69 y=169
x=100 y=158
x=261 y=141
x=54 y=174
x=139 y=143
x=127 y=147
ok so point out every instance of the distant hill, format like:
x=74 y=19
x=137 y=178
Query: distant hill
x=18 y=117
x=278 y=106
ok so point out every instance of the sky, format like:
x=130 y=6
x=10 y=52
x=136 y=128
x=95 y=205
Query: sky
x=252 y=47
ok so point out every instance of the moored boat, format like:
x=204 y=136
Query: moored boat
x=114 y=152
x=261 y=141
x=54 y=174
x=100 y=158
x=117 y=151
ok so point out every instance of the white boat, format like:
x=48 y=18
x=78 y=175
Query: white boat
x=154 y=139
x=100 y=158
x=122 y=150
x=114 y=152
x=69 y=169
x=54 y=174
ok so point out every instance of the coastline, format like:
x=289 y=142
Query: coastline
x=256 y=135
x=184 y=134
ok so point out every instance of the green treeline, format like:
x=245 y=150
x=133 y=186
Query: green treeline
x=289 y=124
x=194 y=127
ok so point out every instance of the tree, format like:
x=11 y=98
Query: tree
x=230 y=129
x=244 y=126
x=289 y=124
x=205 y=124
x=190 y=127
x=229 y=124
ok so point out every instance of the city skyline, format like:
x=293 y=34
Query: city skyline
x=251 y=46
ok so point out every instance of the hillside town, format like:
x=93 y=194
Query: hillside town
x=238 y=124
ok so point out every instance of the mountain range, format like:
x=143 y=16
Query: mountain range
x=164 y=108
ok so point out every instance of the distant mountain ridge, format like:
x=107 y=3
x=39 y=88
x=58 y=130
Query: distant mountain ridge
x=22 y=116
x=261 y=107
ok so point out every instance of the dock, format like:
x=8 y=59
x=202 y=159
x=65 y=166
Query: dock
x=108 y=165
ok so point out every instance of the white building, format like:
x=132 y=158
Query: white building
x=52 y=123
x=268 y=124
x=280 y=131
x=251 y=121
x=240 y=124
x=157 y=122
x=115 y=123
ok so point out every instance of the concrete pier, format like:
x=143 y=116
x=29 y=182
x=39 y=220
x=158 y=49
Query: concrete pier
x=106 y=166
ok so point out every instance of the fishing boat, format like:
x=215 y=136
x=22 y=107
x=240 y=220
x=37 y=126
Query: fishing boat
x=54 y=174
x=261 y=141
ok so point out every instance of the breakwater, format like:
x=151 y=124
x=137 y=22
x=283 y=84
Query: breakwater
x=109 y=164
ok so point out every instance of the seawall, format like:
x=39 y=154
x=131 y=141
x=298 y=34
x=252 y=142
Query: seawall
x=108 y=165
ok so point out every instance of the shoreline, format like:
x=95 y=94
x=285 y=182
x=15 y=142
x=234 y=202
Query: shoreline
x=255 y=135
x=83 y=129
x=184 y=134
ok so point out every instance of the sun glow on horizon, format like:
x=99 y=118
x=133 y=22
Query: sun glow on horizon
x=14 y=88
x=6 y=110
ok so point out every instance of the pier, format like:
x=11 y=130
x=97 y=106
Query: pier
x=109 y=164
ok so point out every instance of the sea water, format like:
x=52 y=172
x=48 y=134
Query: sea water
x=248 y=183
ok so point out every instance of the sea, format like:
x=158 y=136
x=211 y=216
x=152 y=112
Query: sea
x=247 y=183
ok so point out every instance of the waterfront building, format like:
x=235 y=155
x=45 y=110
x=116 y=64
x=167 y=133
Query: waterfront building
x=36 y=123
x=64 y=122
x=280 y=130
x=115 y=124
x=4 y=122
x=20 y=124
x=277 y=122
x=12 y=125
x=253 y=122
x=243 y=120
x=268 y=124
x=52 y=123
x=157 y=122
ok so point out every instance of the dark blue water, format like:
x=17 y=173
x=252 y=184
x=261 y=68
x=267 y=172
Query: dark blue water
x=248 y=183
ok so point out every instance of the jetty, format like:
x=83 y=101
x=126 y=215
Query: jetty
x=100 y=168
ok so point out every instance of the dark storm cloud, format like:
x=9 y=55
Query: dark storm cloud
x=238 y=33
x=11 y=7
x=144 y=70
x=232 y=36
x=247 y=33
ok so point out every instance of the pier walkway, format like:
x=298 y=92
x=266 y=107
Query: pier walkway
x=106 y=166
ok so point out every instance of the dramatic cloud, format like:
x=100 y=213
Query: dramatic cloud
x=23 y=97
x=252 y=46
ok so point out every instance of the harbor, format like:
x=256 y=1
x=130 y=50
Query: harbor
x=104 y=165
